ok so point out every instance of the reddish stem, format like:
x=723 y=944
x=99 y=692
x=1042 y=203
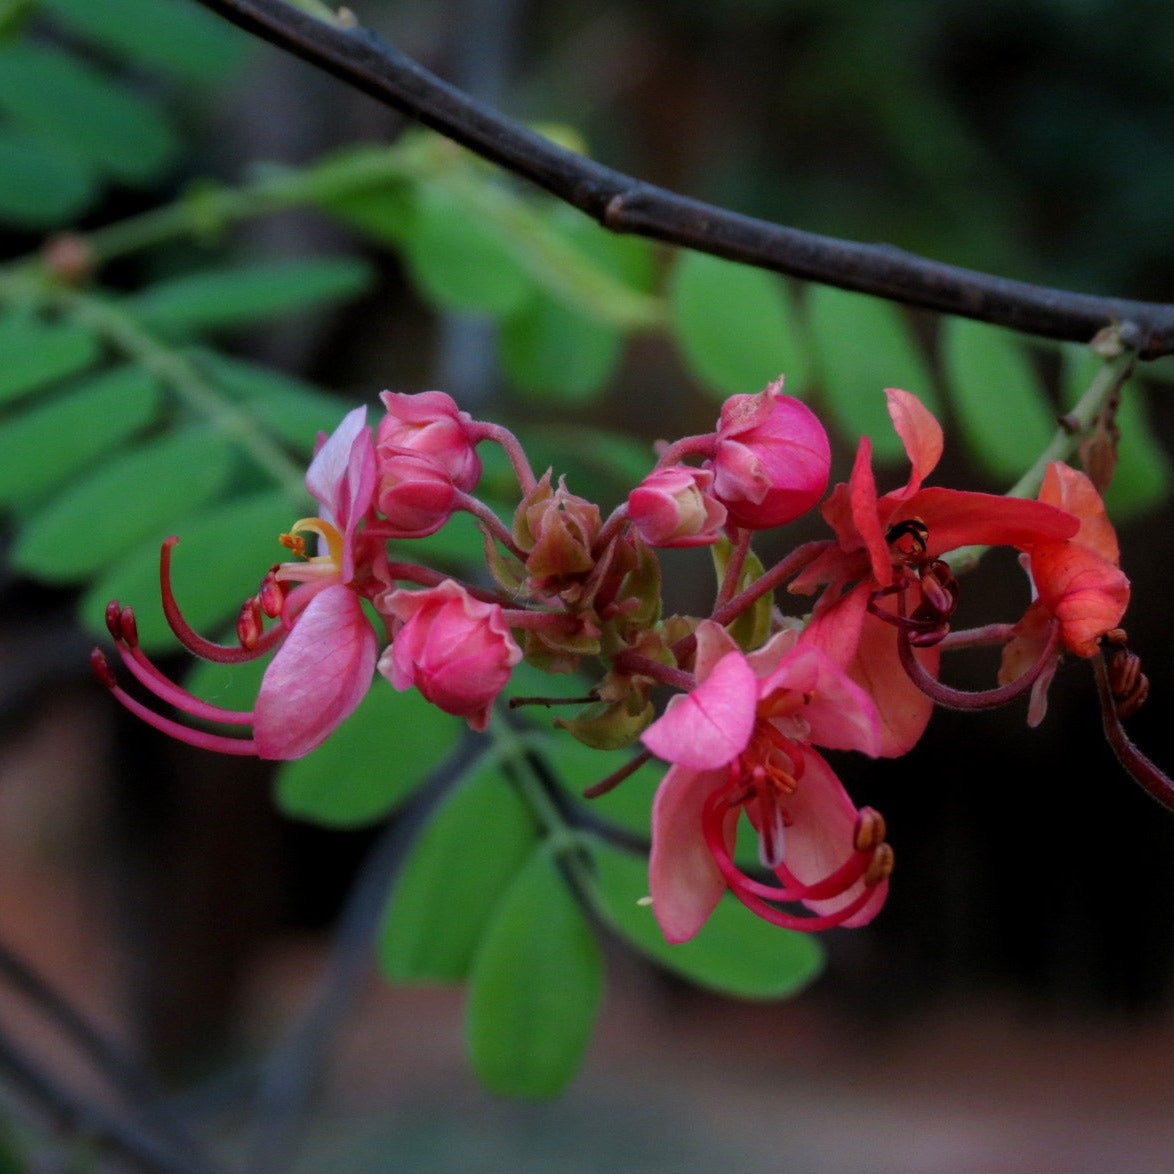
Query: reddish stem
x=1155 y=782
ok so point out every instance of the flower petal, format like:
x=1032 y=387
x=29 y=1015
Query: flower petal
x=920 y=433
x=710 y=726
x=318 y=677
x=683 y=879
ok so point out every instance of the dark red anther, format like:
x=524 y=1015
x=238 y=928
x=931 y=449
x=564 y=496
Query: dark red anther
x=102 y=669
x=249 y=626
x=114 y=619
x=271 y=595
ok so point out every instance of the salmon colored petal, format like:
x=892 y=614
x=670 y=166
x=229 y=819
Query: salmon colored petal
x=710 y=726
x=683 y=879
x=920 y=433
x=903 y=709
x=835 y=626
x=318 y=677
x=1071 y=490
x=956 y=517
x=1086 y=593
x=865 y=519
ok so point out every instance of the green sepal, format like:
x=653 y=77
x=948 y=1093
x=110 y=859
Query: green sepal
x=610 y=725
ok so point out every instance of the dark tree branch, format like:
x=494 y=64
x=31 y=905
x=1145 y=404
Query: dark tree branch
x=624 y=204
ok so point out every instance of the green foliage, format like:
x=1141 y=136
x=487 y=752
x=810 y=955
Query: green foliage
x=735 y=952
x=371 y=764
x=102 y=515
x=457 y=873
x=998 y=401
x=64 y=434
x=535 y=986
x=734 y=326
x=37 y=352
x=239 y=295
x=71 y=105
x=862 y=346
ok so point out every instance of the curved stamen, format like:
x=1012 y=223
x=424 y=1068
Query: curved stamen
x=966 y=699
x=831 y=886
x=1154 y=781
x=152 y=678
x=202 y=739
x=190 y=638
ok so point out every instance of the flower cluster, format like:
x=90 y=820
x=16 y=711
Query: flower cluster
x=574 y=590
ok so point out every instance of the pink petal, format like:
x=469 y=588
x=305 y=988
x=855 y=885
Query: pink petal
x=840 y=714
x=710 y=726
x=318 y=677
x=324 y=477
x=683 y=879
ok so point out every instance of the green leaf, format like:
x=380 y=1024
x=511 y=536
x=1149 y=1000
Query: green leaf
x=998 y=400
x=535 y=986
x=100 y=516
x=735 y=952
x=62 y=437
x=460 y=262
x=458 y=870
x=172 y=35
x=371 y=763
x=41 y=185
x=37 y=353
x=72 y=104
x=241 y=294
x=221 y=557
x=291 y=410
x=864 y=345
x=734 y=326
x=554 y=353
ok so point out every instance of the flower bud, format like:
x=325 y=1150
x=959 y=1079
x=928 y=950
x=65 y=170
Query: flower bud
x=674 y=506
x=455 y=649
x=771 y=460
x=430 y=423
x=556 y=529
x=413 y=492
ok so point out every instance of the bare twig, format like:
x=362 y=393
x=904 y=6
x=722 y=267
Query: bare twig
x=624 y=204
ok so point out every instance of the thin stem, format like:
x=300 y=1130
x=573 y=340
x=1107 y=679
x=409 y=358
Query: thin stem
x=738 y=551
x=1151 y=778
x=625 y=204
x=784 y=569
x=965 y=699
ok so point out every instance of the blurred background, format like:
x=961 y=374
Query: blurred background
x=1011 y=1008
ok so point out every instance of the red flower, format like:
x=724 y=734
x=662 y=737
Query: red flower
x=886 y=571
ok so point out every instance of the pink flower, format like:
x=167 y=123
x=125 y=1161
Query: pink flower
x=1078 y=584
x=326 y=648
x=455 y=649
x=742 y=741
x=674 y=506
x=771 y=459
x=431 y=423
